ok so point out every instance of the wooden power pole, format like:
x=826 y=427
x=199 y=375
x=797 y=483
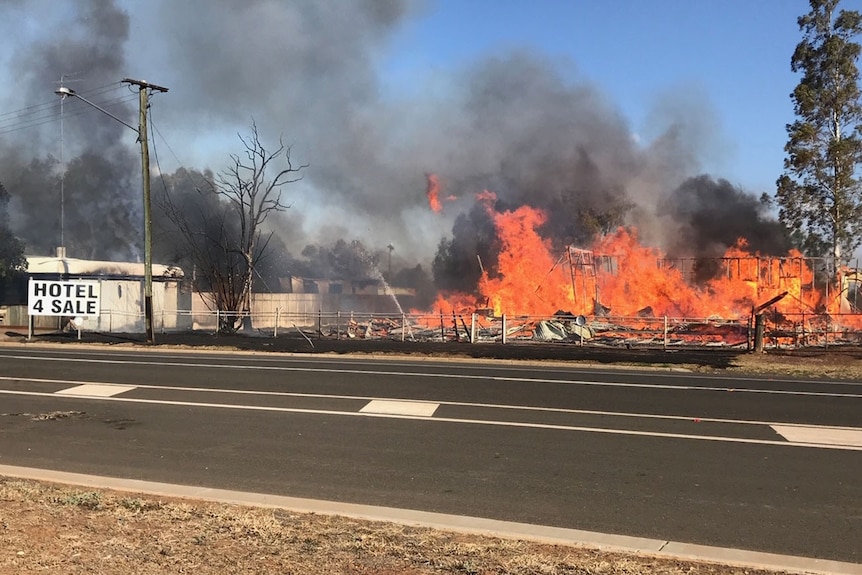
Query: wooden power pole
x=143 y=90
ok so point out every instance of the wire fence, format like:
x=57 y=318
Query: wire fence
x=778 y=330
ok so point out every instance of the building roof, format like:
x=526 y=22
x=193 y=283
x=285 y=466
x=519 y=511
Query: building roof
x=52 y=265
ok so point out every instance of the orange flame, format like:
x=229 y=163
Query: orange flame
x=432 y=191
x=618 y=276
x=524 y=260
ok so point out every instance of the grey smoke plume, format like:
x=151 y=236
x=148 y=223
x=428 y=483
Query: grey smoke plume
x=516 y=124
x=95 y=208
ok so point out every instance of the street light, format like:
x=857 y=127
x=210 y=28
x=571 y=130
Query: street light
x=141 y=131
x=68 y=92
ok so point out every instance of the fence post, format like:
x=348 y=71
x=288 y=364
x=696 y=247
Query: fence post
x=758 y=333
x=338 y=325
x=275 y=328
x=826 y=333
x=218 y=321
x=473 y=329
x=665 y=333
x=803 y=328
x=403 y=326
x=504 y=329
x=442 y=329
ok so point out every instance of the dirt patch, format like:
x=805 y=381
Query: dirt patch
x=48 y=528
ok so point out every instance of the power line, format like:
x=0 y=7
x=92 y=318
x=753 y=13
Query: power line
x=44 y=110
x=171 y=150
x=51 y=104
x=43 y=117
x=29 y=109
x=179 y=162
x=40 y=111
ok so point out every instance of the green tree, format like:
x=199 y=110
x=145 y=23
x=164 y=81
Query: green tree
x=459 y=262
x=418 y=279
x=819 y=194
x=12 y=259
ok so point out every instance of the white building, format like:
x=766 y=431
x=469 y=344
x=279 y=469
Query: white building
x=121 y=287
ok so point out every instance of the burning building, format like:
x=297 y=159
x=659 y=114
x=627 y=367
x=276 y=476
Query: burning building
x=619 y=277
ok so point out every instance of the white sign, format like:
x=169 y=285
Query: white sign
x=76 y=298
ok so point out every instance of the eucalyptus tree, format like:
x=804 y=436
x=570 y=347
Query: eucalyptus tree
x=819 y=194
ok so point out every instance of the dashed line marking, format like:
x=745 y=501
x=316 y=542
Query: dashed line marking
x=429 y=408
x=95 y=390
x=389 y=407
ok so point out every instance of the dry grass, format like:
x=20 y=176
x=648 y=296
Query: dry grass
x=829 y=365
x=48 y=528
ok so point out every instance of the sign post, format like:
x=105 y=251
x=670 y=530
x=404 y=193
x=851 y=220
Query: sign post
x=80 y=298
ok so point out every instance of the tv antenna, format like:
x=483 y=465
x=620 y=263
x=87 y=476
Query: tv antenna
x=64 y=78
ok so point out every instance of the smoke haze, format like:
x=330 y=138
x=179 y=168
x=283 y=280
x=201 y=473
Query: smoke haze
x=515 y=123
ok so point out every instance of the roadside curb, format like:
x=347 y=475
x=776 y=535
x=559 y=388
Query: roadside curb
x=456 y=523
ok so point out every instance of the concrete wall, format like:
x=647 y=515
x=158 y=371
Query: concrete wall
x=175 y=309
x=300 y=309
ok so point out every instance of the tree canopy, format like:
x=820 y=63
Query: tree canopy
x=819 y=193
x=12 y=258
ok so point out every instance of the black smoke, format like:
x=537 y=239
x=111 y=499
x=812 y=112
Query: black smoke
x=712 y=214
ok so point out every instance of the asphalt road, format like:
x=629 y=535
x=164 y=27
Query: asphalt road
x=760 y=464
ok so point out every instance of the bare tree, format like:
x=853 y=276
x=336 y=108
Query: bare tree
x=222 y=224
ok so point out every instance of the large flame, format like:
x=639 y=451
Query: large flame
x=617 y=276
x=524 y=261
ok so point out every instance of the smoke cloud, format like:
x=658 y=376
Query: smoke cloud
x=95 y=208
x=310 y=72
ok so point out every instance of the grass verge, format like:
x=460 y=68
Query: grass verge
x=50 y=528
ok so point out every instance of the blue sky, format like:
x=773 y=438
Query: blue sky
x=730 y=57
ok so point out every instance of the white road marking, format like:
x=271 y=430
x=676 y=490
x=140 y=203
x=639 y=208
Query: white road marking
x=390 y=407
x=527 y=408
x=474 y=377
x=820 y=435
x=800 y=435
x=515 y=424
x=406 y=402
x=95 y=390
